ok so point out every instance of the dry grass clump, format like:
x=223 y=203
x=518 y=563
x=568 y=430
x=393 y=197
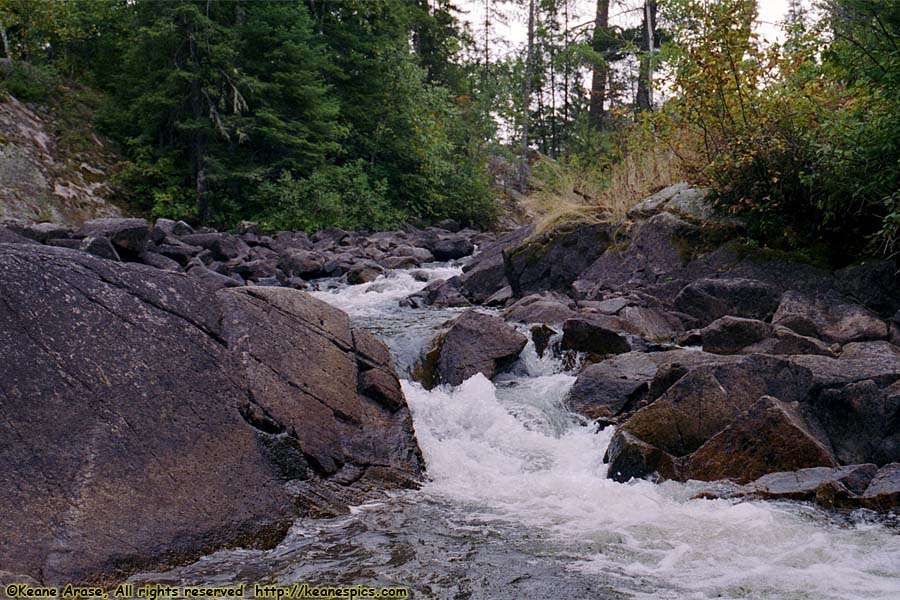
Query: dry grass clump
x=562 y=194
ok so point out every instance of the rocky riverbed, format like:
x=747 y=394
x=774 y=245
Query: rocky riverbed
x=154 y=369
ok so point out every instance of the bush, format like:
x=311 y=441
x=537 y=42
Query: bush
x=340 y=196
x=800 y=139
x=27 y=82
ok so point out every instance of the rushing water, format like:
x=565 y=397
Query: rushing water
x=518 y=505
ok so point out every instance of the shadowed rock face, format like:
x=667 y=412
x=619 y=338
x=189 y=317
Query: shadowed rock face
x=473 y=343
x=148 y=419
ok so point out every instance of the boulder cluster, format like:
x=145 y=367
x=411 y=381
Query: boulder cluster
x=715 y=361
x=285 y=259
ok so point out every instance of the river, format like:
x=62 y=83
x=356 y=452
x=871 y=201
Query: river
x=517 y=505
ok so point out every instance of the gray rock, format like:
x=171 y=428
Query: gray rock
x=177 y=250
x=804 y=483
x=363 y=273
x=223 y=246
x=861 y=420
x=158 y=261
x=302 y=263
x=681 y=199
x=555 y=259
x=439 y=293
x=452 y=248
x=499 y=298
x=878 y=361
x=705 y=401
x=136 y=391
x=883 y=492
x=828 y=317
x=710 y=298
x=400 y=262
x=162 y=229
x=256 y=270
x=614 y=388
x=653 y=324
x=610 y=306
x=595 y=335
x=41 y=232
x=210 y=279
x=733 y=335
x=474 y=343
x=128 y=235
x=539 y=308
x=99 y=246
x=485 y=275
x=769 y=436
x=9 y=236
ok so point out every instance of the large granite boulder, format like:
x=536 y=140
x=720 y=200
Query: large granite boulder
x=770 y=435
x=659 y=255
x=716 y=408
x=555 y=259
x=734 y=335
x=613 y=389
x=485 y=275
x=711 y=298
x=473 y=343
x=150 y=418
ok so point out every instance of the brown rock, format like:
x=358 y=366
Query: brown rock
x=769 y=436
x=476 y=343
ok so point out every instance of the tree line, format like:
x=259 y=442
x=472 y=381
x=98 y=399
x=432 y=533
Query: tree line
x=372 y=113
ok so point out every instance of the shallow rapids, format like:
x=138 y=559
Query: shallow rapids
x=518 y=505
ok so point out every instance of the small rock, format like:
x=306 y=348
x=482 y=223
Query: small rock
x=452 y=248
x=129 y=235
x=883 y=492
x=363 y=273
x=593 y=335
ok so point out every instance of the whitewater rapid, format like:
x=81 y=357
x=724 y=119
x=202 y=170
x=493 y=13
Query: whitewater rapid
x=511 y=451
x=517 y=504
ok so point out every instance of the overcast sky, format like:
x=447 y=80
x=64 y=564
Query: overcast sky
x=514 y=31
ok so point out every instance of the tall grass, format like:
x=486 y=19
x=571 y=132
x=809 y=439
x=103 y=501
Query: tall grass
x=562 y=193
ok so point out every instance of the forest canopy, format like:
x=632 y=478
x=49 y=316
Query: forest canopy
x=369 y=114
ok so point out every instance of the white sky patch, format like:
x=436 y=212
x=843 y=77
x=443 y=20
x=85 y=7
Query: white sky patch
x=509 y=21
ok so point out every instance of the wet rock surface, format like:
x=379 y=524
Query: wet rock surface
x=472 y=343
x=790 y=368
x=212 y=413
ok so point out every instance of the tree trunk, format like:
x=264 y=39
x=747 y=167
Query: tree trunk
x=5 y=43
x=198 y=139
x=600 y=73
x=566 y=67
x=526 y=103
x=645 y=75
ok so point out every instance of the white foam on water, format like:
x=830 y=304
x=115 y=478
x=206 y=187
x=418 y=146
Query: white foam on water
x=511 y=452
x=482 y=453
x=373 y=298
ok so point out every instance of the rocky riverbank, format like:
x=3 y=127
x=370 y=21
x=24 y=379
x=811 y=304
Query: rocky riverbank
x=715 y=362
x=147 y=367
x=152 y=416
